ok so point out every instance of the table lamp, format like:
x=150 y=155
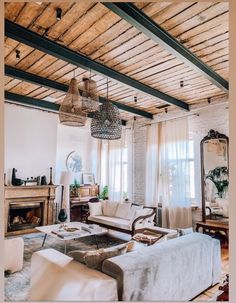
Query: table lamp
x=67 y=179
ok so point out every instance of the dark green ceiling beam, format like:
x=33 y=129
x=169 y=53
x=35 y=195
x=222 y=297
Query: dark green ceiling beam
x=147 y=26
x=28 y=37
x=32 y=78
x=36 y=103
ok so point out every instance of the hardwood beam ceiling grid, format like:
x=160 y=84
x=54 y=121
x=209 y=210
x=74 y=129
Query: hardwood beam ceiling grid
x=36 y=80
x=48 y=46
x=109 y=42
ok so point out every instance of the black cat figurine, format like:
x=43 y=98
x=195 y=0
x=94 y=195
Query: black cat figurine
x=15 y=181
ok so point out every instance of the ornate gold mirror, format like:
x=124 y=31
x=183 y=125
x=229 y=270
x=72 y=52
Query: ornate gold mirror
x=215 y=176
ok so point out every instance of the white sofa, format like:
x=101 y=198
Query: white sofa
x=125 y=217
x=177 y=269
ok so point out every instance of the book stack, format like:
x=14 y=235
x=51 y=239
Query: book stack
x=68 y=232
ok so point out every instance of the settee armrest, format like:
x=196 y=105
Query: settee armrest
x=143 y=217
x=57 y=277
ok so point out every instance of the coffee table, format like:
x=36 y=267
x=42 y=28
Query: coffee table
x=65 y=236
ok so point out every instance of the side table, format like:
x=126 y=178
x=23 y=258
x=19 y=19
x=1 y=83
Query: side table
x=214 y=226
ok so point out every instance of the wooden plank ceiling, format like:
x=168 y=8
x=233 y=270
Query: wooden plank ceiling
x=95 y=31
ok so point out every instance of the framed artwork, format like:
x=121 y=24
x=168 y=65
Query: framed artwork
x=74 y=162
x=88 y=179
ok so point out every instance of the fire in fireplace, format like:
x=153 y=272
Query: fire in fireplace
x=24 y=215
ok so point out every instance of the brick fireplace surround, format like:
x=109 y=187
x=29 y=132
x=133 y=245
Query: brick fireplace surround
x=38 y=200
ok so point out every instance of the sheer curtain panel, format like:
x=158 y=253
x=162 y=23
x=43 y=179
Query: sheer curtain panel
x=174 y=185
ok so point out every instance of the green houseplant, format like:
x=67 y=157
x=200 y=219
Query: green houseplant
x=104 y=193
x=219 y=176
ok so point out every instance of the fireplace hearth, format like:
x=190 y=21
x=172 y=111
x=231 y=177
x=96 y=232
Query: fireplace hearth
x=27 y=207
x=25 y=215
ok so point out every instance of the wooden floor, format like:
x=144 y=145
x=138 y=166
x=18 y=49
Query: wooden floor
x=212 y=292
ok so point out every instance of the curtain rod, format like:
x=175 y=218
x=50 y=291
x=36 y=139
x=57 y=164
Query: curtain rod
x=193 y=113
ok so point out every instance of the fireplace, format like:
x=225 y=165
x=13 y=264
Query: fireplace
x=24 y=215
x=27 y=207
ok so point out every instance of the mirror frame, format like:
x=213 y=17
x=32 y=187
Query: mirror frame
x=212 y=134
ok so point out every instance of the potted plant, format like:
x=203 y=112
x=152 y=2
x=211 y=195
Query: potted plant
x=104 y=194
x=74 y=189
x=219 y=176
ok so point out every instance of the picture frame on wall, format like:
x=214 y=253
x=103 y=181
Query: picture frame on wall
x=88 y=179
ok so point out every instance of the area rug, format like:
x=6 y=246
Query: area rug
x=17 y=284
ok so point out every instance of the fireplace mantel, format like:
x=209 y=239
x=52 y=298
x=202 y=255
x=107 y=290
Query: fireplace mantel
x=45 y=194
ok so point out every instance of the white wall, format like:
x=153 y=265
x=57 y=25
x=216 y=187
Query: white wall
x=76 y=139
x=30 y=141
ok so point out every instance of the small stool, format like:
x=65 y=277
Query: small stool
x=13 y=254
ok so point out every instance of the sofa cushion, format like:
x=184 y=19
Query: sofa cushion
x=109 y=208
x=95 y=208
x=123 y=210
x=111 y=221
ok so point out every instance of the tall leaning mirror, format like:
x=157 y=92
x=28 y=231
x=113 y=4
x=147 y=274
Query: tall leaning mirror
x=215 y=176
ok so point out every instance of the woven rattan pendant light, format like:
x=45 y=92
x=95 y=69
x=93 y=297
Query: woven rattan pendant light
x=70 y=111
x=106 y=122
x=89 y=96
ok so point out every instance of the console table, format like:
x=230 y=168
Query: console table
x=79 y=203
x=215 y=226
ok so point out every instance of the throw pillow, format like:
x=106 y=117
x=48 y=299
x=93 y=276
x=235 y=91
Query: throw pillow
x=78 y=255
x=95 y=259
x=132 y=211
x=123 y=210
x=109 y=208
x=95 y=208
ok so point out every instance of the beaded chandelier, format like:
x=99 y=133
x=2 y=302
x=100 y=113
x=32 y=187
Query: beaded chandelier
x=106 y=122
x=70 y=111
x=89 y=96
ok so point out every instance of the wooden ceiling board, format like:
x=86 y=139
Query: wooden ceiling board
x=93 y=30
x=12 y=9
x=76 y=11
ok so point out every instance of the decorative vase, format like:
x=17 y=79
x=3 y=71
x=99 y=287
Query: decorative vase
x=62 y=216
x=15 y=181
x=43 y=180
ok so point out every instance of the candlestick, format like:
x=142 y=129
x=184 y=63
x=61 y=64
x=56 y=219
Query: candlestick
x=50 y=182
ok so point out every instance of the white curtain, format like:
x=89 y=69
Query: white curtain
x=174 y=183
x=116 y=166
x=152 y=165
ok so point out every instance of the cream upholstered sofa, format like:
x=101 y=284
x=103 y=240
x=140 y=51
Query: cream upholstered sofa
x=177 y=269
x=125 y=217
x=13 y=254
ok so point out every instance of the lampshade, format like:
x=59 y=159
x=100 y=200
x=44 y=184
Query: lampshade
x=89 y=96
x=106 y=122
x=67 y=178
x=70 y=111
